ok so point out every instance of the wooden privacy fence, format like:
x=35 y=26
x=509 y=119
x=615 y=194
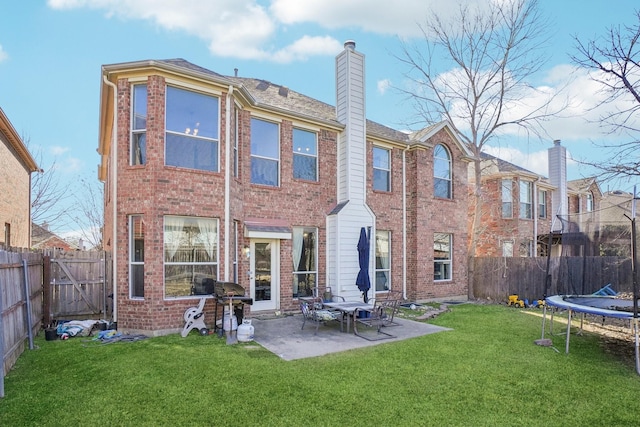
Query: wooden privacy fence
x=20 y=305
x=79 y=285
x=495 y=278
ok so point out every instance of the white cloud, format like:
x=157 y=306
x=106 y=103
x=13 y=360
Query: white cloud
x=56 y=150
x=3 y=54
x=383 y=85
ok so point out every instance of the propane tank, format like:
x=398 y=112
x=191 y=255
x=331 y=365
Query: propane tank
x=245 y=331
x=233 y=323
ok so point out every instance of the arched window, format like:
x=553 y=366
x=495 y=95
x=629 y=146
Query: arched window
x=441 y=172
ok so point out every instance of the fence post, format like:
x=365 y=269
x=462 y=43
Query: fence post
x=46 y=291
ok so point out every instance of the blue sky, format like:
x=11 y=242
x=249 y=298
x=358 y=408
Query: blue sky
x=51 y=53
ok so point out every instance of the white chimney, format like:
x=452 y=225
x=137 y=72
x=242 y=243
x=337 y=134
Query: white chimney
x=558 y=178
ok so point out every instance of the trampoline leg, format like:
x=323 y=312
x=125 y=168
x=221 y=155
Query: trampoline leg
x=544 y=317
x=635 y=328
x=566 y=350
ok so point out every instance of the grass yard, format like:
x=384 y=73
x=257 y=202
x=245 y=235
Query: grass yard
x=486 y=372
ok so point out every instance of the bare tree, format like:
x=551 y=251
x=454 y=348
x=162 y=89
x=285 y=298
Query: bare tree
x=89 y=212
x=490 y=52
x=614 y=62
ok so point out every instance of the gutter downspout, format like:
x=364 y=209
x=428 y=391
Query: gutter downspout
x=404 y=222
x=227 y=184
x=114 y=198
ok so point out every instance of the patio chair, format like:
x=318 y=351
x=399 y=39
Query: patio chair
x=375 y=318
x=312 y=311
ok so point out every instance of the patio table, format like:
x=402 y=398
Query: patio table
x=347 y=308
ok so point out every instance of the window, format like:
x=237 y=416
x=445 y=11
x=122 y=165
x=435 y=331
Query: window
x=136 y=256
x=507 y=248
x=442 y=172
x=265 y=152
x=383 y=260
x=139 y=126
x=190 y=253
x=191 y=139
x=525 y=200
x=526 y=248
x=304 y=261
x=305 y=155
x=507 y=198
x=381 y=169
x=589 y=202
x=542 y=204
x=442 y=256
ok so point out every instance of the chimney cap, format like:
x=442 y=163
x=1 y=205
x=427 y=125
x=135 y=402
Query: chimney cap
x=556 y=142
x=350 y=44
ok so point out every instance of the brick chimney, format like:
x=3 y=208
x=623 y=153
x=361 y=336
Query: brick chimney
x=558 y=178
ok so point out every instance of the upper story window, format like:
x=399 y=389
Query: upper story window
x=442 y=172
x=305 y=155
x=381 y=169
x=138 y=148
x=236 y=142
x=525 y=200
x=265 y=152
x=589 y=202
x=507 y=198
x=542 y=204
x=192 y=129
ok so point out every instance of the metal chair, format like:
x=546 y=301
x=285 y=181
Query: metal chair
x=375 y=318
x=313 y=311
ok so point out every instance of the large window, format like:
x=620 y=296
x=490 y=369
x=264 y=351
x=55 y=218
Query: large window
x=265 y=152
x=136 y=256
x=542 y=204
x=305 y=155
x=442 y=172
x=381 y=169
x=525 y=200
x=236 y=141
x=589 y=202
x=442 y=256
x=192 y=129
x=383 y=260
x=304 y=261
x=190 y=254
x=507 y=198
x=138 y=149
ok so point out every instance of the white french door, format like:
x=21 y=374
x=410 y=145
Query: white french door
x=265 y=271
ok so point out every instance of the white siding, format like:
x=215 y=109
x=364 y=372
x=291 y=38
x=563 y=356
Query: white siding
x=558 y=177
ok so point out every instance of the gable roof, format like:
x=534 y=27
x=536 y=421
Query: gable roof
x=584 y=185
x=504 y=167
x=15 y=142
x=42 y=238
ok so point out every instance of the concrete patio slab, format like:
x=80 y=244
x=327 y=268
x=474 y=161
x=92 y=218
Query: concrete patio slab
x=283 y=336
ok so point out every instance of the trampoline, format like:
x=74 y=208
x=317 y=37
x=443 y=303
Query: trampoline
x=606 y=306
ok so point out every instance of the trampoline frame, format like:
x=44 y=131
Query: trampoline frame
x=558 y=301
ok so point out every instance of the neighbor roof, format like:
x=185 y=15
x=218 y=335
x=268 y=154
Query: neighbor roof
x=15 y=142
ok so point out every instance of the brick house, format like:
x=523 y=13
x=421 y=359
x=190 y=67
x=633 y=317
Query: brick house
x=16 y=166
x=239 y=179
x=43 y=238
x=516 y=209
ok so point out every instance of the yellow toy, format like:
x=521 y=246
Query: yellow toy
x=515 y=301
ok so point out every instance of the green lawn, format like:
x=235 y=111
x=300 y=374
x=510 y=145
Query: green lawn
x=486 y=372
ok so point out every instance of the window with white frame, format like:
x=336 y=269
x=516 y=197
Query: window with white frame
x=190 y=254
x=383 y=260
x=507 y=198
x=381 y=169
x=192 y=130
x=525 y=200
x=136 y=256
x=507 y=248
x=542 y=204
x=236 y=141
x=305 y=261
x=442 y=172
x=138 y=146
x=265 y=152
x=305 y=155
x=589 y=202
x=442 y=256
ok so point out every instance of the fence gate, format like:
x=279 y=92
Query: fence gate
x=79 y=285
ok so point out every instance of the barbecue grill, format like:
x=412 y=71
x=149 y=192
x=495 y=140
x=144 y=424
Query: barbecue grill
x=222 y=292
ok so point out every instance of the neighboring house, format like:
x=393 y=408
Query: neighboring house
x=16 y=166
x=616 y=211
x=42 y=238
x=239 y=179
x=515 y=213
x=583 y=199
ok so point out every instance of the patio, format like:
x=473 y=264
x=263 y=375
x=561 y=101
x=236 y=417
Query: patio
x=282 y=336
